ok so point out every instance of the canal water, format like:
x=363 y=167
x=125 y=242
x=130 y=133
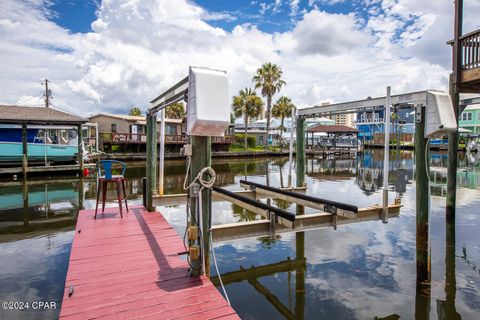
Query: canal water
x=363 y=270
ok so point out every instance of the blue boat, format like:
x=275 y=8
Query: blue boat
x=11 y=148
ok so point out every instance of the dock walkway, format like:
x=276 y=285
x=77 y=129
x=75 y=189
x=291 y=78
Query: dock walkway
x=130 y=269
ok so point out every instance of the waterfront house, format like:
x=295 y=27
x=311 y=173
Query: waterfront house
x=470 y=119
x=258 y=129
x=134 y=126
x=129 y=133
x=371 y=123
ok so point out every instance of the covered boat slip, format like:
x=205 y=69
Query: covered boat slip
x=23 y=122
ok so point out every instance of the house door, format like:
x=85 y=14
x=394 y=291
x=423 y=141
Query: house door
x=134 y=132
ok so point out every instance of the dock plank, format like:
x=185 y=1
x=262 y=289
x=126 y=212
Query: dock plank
x=130 y=268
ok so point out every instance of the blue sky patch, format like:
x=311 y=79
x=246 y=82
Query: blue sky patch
x=75 y=15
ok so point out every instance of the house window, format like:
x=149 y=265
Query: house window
x=466 y=116
x=170 y=129
x=114 y=127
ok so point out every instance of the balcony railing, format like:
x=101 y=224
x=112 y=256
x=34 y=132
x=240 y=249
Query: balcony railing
x=470 y=44
x=367 y=121
x=142 y=138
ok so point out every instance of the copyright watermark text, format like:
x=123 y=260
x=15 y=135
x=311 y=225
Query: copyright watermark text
x=28 y=305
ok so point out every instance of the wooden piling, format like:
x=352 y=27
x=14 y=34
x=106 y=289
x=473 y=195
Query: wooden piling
x=80 y=147
x=26 y=213
x=201 y=158
x=151 y=160
x=25 y=151
x=452 y=157
x=454 y=88
x=300 y=152
x=422 y=202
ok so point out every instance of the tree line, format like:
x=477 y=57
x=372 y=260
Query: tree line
x=268 y=78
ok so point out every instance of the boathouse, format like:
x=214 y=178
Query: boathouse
x=16 y=121
x=331 y=136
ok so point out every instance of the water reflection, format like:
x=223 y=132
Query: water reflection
x=361 y=271
x=39 y=205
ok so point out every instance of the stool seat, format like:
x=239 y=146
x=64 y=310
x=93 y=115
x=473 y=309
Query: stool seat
x=105 y=177
x=112 y=178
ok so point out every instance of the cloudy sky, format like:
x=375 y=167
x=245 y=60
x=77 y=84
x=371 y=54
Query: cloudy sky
x=106 y=56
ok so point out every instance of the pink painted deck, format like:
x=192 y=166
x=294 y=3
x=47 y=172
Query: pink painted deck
x=130 y=269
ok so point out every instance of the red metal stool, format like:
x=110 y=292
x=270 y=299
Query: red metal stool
x=104 y=177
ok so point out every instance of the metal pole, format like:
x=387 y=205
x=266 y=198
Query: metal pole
x=290 y=154
x=162 y=153
x=386 y=156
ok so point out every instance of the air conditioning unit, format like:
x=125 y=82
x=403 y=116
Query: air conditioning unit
x=439 y=115
x=208 y=109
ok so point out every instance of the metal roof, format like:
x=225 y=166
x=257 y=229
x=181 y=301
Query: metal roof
x=37 y=115
x=369 y=104
x=331 y=129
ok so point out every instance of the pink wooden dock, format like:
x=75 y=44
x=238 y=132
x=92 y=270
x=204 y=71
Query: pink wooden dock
x=130 y=269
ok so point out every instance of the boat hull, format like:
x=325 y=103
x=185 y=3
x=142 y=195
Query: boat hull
x=12 y=152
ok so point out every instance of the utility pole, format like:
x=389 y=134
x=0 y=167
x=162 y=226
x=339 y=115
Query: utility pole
x=47 y=94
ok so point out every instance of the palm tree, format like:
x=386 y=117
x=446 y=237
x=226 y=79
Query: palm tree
x=248 y=105
x=269 y=79
x=135 y=111
x=282 y=109
x=175 y=111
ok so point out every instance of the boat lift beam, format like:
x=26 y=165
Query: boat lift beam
x=305 y=200
x=260 y=228
x=273 y=214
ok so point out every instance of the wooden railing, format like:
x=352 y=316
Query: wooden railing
x=470 y=44
x=142 y=138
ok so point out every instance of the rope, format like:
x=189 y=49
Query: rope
x=216 y=268
x=427 y=148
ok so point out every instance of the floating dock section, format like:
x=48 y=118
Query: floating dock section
x=131 y=268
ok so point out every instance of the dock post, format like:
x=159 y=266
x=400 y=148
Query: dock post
x=25 y=151
x=300 y=152
x=452 y=158
x=201 y=158
x=454 y=84
x=300 y=276
x=161 y=158
x=386 y=155
x=422 y=212
x=144 y=191
x=151 y=160
x=80 y=147
x=26 y=213
x=290 y=150
x=81 y=190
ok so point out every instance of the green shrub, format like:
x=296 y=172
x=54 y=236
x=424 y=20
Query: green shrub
x=239 y=138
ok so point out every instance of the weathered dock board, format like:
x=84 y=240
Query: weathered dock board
x=130 y=268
